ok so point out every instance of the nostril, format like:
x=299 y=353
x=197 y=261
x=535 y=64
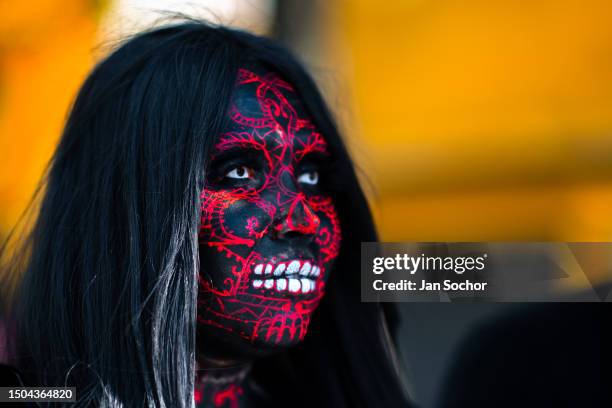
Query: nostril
x=289 y=234
x=288 y=230
x=298 y=219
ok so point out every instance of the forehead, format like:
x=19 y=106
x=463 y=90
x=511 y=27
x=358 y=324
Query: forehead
x=266 y=108
x=257 y=92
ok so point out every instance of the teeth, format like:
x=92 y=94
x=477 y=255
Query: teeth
x=279 y=269
x=296 y=276
x=315 y=271
x=281 y=284
x=305 y=269
x=305 y=285
x=294 y=285
x=293 y=267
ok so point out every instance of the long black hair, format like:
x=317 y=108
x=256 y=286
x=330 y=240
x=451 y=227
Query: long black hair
x=107 y=302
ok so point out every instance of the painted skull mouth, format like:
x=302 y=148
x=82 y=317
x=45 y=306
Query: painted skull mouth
x=294 y=276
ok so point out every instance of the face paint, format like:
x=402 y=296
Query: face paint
x=269 y=232
x=218 y=395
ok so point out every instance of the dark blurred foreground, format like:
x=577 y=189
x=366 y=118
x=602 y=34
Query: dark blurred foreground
x=501 y=355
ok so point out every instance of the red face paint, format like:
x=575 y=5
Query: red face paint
x=229 y=396
x=269 y=232
x=221 y=389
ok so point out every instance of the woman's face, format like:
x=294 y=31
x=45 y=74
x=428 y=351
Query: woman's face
x=269 y=232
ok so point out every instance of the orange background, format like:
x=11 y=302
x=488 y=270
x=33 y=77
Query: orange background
x=473 y=120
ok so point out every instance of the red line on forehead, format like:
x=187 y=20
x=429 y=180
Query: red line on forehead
x=270 y=78
x=257 y=123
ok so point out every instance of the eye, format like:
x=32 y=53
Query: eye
x=240 y=173
x=310 y=177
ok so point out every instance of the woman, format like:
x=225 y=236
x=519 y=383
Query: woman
x=198 y=238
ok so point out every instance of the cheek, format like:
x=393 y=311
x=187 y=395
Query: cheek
x=244 y=219
x=233 y=219
x=329 y=234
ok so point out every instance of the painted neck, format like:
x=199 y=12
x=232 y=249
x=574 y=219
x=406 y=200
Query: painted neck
x=221 y=385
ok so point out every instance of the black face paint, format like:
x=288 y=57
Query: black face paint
x=269 y=232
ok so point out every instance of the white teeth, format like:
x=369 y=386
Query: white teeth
x=305 y=269
x=279 y=270
x=287 y=276
x=281 y=284
x=293 y=267
x=315 y=271
x=305 y=285
x=294 y=285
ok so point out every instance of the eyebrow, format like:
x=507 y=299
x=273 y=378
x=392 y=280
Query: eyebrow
x=236 y=150
x=313 y=152
x=315 y=156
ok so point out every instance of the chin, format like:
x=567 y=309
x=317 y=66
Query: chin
x=237 y=339
x=283 y=330
x=261 y=347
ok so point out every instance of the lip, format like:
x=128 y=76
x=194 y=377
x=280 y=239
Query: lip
x=296 y=276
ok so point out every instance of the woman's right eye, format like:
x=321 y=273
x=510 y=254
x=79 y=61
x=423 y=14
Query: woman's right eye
x=240 y=173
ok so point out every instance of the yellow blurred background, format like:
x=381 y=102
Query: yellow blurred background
x=473 y=120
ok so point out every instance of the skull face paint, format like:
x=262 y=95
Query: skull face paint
x=269 y=232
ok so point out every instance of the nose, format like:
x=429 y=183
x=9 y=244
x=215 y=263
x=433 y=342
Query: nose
x=296 y=219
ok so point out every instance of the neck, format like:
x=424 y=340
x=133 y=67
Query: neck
x=221 y=384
